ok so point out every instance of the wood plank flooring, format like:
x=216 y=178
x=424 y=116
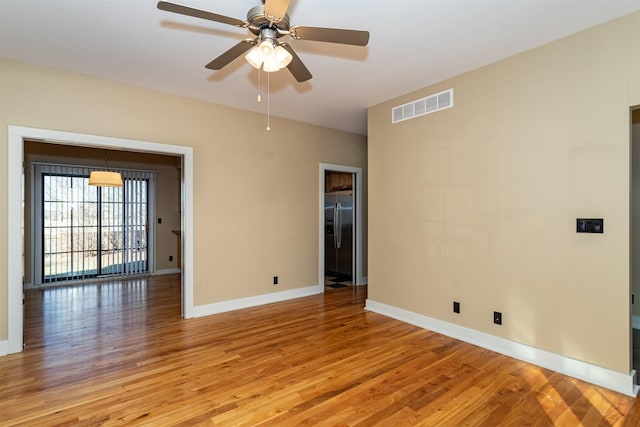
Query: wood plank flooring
x=119 y=354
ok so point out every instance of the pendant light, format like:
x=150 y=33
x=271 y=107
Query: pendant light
x=105 y=178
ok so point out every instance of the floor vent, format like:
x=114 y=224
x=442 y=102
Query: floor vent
x=428 y=105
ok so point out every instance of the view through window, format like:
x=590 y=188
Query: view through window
x=93 y=231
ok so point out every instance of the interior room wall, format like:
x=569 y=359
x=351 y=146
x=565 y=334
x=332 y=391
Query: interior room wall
x=167 y=191
x=256 y=193
x=491 y=190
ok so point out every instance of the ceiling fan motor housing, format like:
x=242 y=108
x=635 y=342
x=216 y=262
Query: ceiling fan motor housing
x=259 y=21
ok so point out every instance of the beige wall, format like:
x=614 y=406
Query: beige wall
x=167 y=198
x=490 y=193
x=255 y=193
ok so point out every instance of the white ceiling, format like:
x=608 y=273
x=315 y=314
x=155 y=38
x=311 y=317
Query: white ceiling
x=413 y=43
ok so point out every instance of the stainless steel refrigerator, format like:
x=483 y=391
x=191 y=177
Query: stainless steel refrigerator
x=338 y=235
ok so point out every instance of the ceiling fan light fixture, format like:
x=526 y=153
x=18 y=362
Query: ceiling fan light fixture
x=283 y=56
x=267 y=47
x=255 y=58
x=270 y=66
x=276 y=60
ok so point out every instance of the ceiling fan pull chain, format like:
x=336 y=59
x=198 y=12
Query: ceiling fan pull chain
x=268 y=101
x=259 y=86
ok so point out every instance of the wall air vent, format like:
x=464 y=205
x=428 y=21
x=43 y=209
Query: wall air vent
x=430 y=104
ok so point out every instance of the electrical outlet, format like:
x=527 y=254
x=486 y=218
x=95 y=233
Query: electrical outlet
x=456 y=307
x=170 y=257
x=497 y=318
x=275 y=280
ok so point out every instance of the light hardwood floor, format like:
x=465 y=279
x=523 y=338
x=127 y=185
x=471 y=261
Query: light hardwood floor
x=119 y=354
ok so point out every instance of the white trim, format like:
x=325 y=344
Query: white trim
x=635 y=322
x=357 y=247
x=617 y=381
x=4 y=345
x=166 y=271
x=15 y=244
x=15 y=181
x=240 y=303
x=186 y=240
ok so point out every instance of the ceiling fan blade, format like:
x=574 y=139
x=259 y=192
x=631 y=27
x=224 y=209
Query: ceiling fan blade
x=276 y=9
x=296 y=67
x=226 y=58
x=189 y=11
x=331 y=35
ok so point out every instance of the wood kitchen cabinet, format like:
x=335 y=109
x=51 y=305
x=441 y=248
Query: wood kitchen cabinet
x=338 y=181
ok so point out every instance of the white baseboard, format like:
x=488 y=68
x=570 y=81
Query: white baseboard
x=166 y=271
x=4 y=348
x=635 y=322
x=617 y=381
x=240 y=303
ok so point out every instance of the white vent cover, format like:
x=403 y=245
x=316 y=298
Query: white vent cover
x=430 y=104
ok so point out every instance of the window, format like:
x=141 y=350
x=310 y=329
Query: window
x=84 y=231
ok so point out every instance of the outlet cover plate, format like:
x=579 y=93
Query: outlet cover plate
x=497 y=318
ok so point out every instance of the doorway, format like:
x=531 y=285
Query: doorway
x=340 y=227
x=15 y=181
x=635 y=238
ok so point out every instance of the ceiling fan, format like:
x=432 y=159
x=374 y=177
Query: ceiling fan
x=269 y=22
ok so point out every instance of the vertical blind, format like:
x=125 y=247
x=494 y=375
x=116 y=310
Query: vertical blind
x=91 y=231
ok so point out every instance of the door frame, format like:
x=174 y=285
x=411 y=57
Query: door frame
x=356 y=269
x=634 y=220
x=15 y=183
